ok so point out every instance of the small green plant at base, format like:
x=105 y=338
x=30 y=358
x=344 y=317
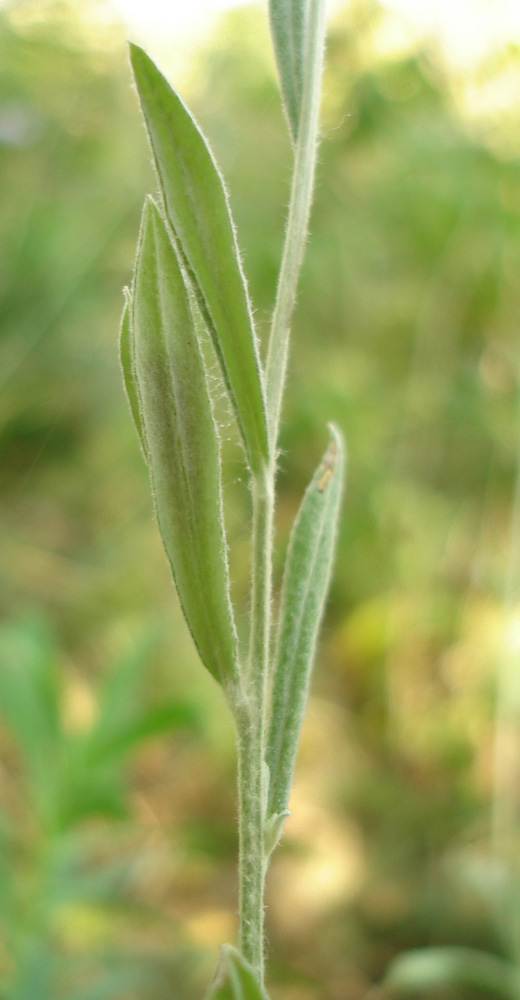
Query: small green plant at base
x=188 y=283
x=67 y=852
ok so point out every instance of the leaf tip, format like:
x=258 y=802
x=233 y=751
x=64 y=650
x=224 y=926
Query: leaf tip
x=147 y=218
x=151 y=229
x=135 y=52
x=336 y=436
x=332 y=461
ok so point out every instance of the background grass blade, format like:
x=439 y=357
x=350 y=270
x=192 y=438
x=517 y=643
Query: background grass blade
x=464 y=969
x=182 y=442
x=288 y=22
x=30 y=700
x=306 y=579
x=235 y=979
x=197 y=209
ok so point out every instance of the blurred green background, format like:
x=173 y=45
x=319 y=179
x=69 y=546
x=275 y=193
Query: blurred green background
x=117 y=780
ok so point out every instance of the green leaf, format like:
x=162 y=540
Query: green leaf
x=235 y=978
x=126 y=354
x=148 y=724
x=306 y=580
x=29 y=698
x=85 y=794
x=288 y=20
x=198 y=212
x=463 y=968
x=127 y=716
x=182 y=442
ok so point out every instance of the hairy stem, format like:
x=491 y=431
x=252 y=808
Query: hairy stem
x=251 y=723
x=298 y=218
x=251 y=837
x=252 y=714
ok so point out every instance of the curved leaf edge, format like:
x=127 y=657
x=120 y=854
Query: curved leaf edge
x=460 y=967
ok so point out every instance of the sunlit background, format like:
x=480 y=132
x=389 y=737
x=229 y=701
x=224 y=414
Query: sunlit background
x=117 y=767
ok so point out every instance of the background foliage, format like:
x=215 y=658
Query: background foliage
x=117 y=842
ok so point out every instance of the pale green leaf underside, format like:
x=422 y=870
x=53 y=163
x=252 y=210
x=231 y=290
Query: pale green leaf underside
x=198 y=212
x=305 y=585
x=182 y=445
x=288 y=23
x=235 y=979
x=464 y=969
x=126 y=353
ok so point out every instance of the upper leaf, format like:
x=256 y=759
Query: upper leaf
x=198 y=212
x=307 y=574
x=288 y=19
x=182 y=444
x=235 y=979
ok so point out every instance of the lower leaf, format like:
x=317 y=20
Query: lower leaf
x=307 y=573
x=235 y=979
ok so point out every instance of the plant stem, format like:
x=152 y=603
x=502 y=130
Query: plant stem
x=252 y=712
x=251 y=837
x=298 y=218
x=251 y=726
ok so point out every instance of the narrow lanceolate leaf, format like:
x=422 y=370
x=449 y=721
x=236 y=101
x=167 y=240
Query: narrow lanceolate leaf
x=452 y=968
x=306 y=580
x=182 y=444
x=235 y=979
x=126 y=354
x=288 y=19
x=198 y=213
